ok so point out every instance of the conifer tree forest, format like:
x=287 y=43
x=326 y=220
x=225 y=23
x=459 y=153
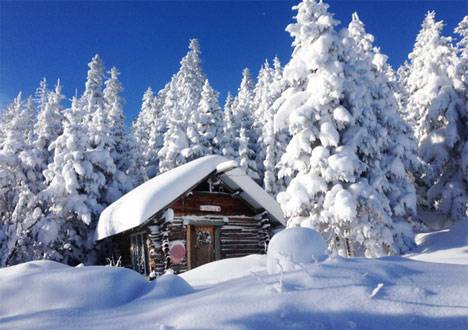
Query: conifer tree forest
x=364 y=153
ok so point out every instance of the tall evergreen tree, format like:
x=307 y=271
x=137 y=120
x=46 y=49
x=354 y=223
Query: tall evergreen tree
x=275 y=141
x=181 y=104
x=461 y=85
x=435 y=110
x=122 y=149
x=74 y=188
x=208 y=122
x=334 y=150
x=157 y=129
x=175 y=138
x=261 y=102
x=141 y=126
x=399 y=159
x=230 y=143
x=48 y=126
x=243 y=110
x=16 y=177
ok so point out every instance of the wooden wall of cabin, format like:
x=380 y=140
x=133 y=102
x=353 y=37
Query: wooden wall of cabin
x=247 y=232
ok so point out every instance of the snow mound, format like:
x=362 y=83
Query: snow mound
x=47 y=285
x=444 y=246
x=224 y=270
x=356 y=293
x=169 y=286
x=292 y=248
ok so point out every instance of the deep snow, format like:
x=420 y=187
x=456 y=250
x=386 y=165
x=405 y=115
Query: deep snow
x=338 y=293
x=446 y=246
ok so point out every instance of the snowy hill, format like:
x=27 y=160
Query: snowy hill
x=357 y=293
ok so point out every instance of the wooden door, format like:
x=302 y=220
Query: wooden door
x=201 y=245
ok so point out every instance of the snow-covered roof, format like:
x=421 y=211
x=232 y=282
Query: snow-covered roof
x=137 y=206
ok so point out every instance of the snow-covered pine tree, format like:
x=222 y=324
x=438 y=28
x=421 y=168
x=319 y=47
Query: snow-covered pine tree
x=261 y=103
x=41 y=96
x=175 y=138
x=398 y=148
x=5 y=117
x=462 y=85
x=229 y=142
x=121 y=145
x=209 y=122
x=189 y=81
x=73 y=190
x=182 y=104
x=141 y=126
x=275 y=142
x=16 y=178
x=333 y=154
x=435 y=110
x=247 y=155
x=157 y=128
x=243 y=111
x=48 y=127
x=100 y=139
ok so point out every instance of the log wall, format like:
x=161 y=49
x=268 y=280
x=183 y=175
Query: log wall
x=245 y=232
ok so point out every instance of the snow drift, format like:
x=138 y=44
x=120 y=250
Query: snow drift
x=294 y=248
x=386 y=293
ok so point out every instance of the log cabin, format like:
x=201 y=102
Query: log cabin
x=205 y=210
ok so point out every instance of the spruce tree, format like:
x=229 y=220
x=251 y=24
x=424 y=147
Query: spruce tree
x=181 y=108
x=209 y=121
x=332 y=158
x=121 y=146
x=399 y=159
x=48 y=127
x=275 y=142
x=243 y=111
x=175 y=138
x=261 y=102
x=229 y=142
x=73 y=188
x=461 y=85
x=157 y=129
x=17 y=178
x=435 y=110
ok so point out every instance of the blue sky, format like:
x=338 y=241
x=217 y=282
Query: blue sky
x=145 y=40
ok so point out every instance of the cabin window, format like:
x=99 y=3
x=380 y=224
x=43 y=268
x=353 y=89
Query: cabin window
x=138 y=251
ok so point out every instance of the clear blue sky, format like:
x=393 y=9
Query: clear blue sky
x=145 y=40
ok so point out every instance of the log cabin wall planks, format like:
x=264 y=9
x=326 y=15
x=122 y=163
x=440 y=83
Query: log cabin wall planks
x=245 y=232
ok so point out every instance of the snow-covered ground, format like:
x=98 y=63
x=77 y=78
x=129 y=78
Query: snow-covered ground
x=385 y=293
x=445 y=246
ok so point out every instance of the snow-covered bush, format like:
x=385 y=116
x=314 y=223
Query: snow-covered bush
x=293 y=247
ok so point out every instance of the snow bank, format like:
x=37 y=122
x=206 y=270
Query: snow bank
x=47 y=285
x=169 y=286
x=386 y=293
x=293 y=248
x=224 y=270
x=444 y=246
